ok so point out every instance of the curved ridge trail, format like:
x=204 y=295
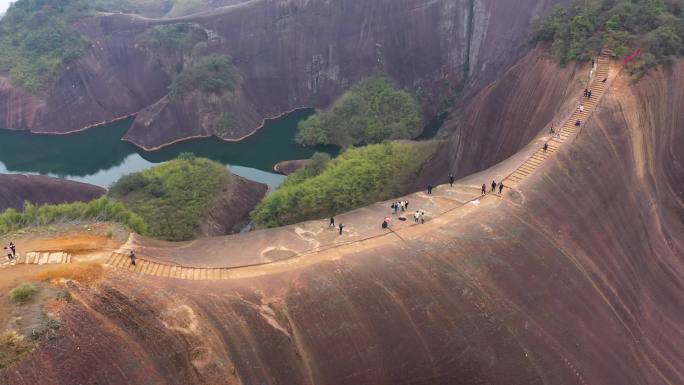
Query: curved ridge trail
x=445 y=204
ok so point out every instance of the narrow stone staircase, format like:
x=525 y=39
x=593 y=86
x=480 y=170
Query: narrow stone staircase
x=145 y=267
x=38 y=258
x=568 y=129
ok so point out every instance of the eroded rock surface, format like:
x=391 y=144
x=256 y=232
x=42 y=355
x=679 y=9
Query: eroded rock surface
x=15 y=189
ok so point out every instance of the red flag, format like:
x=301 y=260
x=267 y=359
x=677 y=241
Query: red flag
x=632 y=55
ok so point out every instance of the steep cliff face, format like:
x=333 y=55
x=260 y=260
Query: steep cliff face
x=503 y=117
x=16 y=189
x=291 y=54
x=576 y=277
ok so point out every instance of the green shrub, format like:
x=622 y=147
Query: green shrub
x=174 y=197
x=356 y=178
x=178 y=38
x=212 y=74
x=22 y=293
x=98 y=210
x=580 y=31
x=370 y=112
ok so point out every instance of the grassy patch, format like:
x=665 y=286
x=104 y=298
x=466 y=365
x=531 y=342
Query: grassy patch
x=174 y=197
x=86 y=273
x=370 y=112
x=22 y=293
x=579 y=31
x=98 y=210
x=356 y=178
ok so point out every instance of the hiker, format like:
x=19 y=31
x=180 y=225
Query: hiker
x=501 y=186
x=451 y=180
x=14 y=249
x=578 y=123
x=546 y=147
x=402 y=204
x=589 y=95
x=484 y=189
x=493 y=186
x=586 y=92
x=332 y=223
x=552 y=130
x=385 y=224
x=9 y=253
x=422 y=217
x=592 y=63
x=341 y=227
x=429 y=189
x=395 y=207
x=406 y=204
x=416 y=216
x=604 y=80
x=581 y=108
x=132 y=257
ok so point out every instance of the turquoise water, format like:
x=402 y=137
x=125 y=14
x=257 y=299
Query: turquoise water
x=98 y=156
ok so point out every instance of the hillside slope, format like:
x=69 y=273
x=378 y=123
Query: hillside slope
x=574 y=277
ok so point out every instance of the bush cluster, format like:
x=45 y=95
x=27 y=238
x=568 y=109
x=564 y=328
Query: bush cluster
x=579 y=32
x=357 y=177
x=99 y=210
x=22 y=293
x=178 y=37
x=370 y=112
x=174 y=197
x=212 y=74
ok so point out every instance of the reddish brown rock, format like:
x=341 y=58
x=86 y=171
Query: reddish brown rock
x=289 y=166
x=15 y=189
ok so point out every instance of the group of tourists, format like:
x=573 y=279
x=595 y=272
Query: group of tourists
x=11 y=251
x=396 y=206
x=332 y=225
x=494 y=185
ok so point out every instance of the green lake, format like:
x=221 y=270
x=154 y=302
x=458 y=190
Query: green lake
x=99 y=156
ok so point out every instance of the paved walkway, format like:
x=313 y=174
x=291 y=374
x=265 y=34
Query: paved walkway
x=219 y=257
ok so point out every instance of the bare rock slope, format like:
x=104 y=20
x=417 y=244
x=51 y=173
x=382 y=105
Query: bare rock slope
x=575 y=277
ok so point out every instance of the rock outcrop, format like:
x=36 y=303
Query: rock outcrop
x=15 y=189
x=231 y=210
x=290 y=54
x=575 y=277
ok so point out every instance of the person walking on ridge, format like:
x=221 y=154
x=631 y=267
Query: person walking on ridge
x=484 y=189
x=14 y=250
x=133 y=257
x=501 y=187
x=581 y=108
x=451 y=180
x=341 y=228
x=332 y=223
x=546 y=147
x=589 y=95
x=493 y=186
x=429 y=189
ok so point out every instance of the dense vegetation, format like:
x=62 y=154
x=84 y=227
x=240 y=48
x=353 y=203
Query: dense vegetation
x=370 y=112
x=357 y=177
x=178 y=37
x=98 y=210
x=174 y=197
x=212 y=74
x=37 y=39
x=581 y=30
